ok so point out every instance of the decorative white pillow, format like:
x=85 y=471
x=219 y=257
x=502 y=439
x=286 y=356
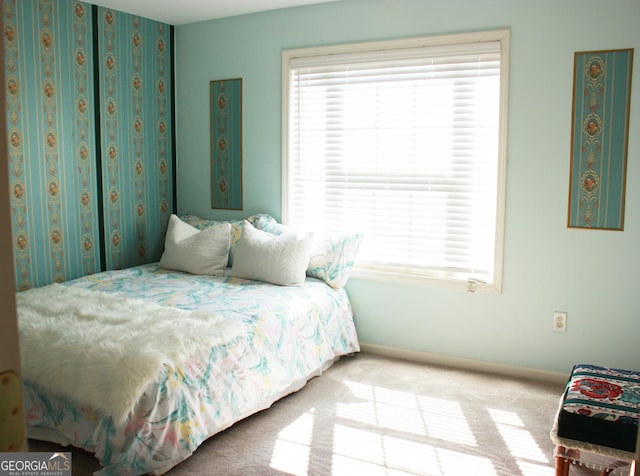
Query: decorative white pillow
x=276 y=259
x=236 y=229
x=197 y=252
x=332 y=255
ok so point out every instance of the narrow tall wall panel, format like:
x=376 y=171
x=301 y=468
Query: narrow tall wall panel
x=50 y=101
x=136 y=145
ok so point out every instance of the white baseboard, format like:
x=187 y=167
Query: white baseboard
x=467 y=364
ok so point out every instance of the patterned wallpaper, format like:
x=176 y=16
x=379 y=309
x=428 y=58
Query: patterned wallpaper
x=135 y=130
x=57 y=173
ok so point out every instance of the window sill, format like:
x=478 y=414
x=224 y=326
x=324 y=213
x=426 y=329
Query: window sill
x=467 y=285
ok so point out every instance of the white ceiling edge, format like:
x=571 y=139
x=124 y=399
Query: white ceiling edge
x=181 y=12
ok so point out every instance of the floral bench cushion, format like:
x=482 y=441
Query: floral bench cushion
x=601 y=406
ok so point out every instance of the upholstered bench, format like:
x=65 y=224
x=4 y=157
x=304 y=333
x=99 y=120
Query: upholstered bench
x=597 y=420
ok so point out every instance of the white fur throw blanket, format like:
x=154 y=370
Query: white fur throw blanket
x=102 y=349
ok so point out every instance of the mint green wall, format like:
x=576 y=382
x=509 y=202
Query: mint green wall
x=593 y=275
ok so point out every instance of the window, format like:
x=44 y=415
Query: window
x=405 y=141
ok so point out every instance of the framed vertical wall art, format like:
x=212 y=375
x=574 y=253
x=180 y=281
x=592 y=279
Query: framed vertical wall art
x=226 y=144
x=599 y=138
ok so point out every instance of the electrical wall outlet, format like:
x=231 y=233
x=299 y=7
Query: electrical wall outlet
x=560 y=321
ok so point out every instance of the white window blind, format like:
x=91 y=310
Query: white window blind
x=403 y=144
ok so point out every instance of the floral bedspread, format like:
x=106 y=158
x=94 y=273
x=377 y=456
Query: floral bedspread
x=292 y=334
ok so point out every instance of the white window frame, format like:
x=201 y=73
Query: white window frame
x=380 y=273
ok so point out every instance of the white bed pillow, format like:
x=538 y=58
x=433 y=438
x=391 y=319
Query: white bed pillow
x=332 y=255
x=276 y=259
x=193 y=251
x=203 y=223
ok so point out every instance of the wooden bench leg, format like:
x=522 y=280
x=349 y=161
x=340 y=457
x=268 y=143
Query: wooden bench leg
x=562 y=464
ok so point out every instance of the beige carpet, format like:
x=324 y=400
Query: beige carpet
x=369 y=415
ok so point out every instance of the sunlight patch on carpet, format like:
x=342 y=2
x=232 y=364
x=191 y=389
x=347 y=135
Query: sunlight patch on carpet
x=382 y=431
x=520 y=443
x=291 y=458
x=407 y=412
x=517 y=438
x=293 y=446
x=445 y=420
x=367 y=452
x=530 y=469
x=384 y=408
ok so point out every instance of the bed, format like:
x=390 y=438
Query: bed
x=201 y=352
